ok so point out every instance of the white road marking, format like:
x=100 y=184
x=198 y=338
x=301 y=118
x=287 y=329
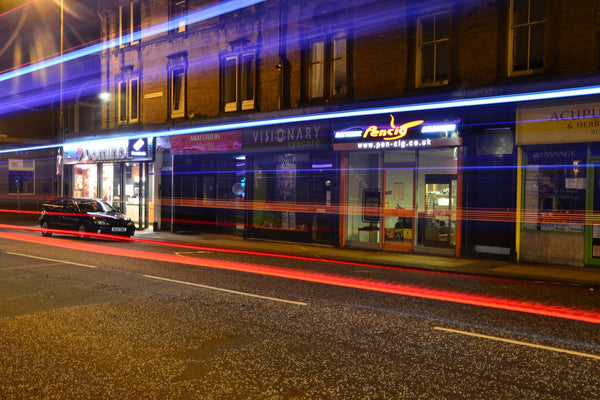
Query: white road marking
x=185 y=253
x=225 y=290
x=169 y=280
x=537 y=346
x=51 y=259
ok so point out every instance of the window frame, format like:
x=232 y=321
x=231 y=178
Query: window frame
x=244 y=80
x=323 y=67
x=130 y=30
x=512 y=27
x=125 y=116
x=178 y=16
x=180 y=111
x=435 y=42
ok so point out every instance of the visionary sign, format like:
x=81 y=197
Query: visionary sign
x=410 y=134
x=288 y=137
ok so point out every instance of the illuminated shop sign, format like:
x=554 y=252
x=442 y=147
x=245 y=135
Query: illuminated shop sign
x=209 y=142
x=138 y=147
x=288 y=137
x=411 y=134
x=99 y=151
x=566 y=123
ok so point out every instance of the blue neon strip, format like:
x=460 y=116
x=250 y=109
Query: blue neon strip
x=482 y=101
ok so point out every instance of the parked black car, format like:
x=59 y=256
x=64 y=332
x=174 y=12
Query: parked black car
x=84 y=216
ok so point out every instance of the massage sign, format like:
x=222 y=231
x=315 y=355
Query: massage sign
x=411 y=134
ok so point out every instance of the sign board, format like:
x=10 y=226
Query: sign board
x=209 y=142
x=569 y=123
x=101 y=151
x=311 y=135
x=396 y=132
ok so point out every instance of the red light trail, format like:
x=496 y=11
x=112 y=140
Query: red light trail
x=325 y=278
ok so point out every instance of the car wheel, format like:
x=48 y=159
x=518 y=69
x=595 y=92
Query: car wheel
x=46 y=230
x=81 y=232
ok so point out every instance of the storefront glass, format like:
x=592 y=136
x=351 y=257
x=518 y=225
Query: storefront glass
x=555 y=189
x=113 y=178
x=363 y=195
x=437 y=192
x=408 y=201
x=86 y=181
x=398 y=200
x=275 y=188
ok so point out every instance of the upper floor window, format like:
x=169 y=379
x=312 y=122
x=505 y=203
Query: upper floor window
x=433 y=56
x=238 y=81
x=177 y=16
x=130 y=23
x=177 y=70
x=328 y=68
x=527 y=26
x=128 y=99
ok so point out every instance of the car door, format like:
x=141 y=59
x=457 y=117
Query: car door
x=53 y=213
x=70 y=215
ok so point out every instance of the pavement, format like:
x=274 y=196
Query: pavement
x=584 y=276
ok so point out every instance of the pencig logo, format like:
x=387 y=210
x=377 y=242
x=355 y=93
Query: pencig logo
x=394 y=133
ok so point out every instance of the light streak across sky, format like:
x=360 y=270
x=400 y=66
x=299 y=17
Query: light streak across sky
x=327 y=279
x=205 y=13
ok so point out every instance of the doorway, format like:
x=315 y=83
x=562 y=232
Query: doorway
x=437 y=223
x=398 y=208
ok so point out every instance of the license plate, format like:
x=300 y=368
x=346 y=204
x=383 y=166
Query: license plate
x=119 y=229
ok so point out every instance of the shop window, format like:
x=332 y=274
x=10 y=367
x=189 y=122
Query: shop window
x=130 y=23
x=238 y=75
x=177 y=16
x=281 y=180
x=128 y=97
x=433 y=35
x=21 y=176
x=328 y=68
x=555 y=190
x=364 y=185
x=527 y=30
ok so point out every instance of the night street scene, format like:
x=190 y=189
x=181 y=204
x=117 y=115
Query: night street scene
x=300 y=199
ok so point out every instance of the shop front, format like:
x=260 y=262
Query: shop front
x=559 y=194
x=209 y=182
x=293 y=183
x=116 y=171
x=401 y=183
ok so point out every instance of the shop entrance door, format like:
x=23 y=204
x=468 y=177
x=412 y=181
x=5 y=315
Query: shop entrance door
x=592 y=248
x=437 y=224
x=398 y=208
x=134 y=200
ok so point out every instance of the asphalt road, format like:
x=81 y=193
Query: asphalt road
x=148 y=321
